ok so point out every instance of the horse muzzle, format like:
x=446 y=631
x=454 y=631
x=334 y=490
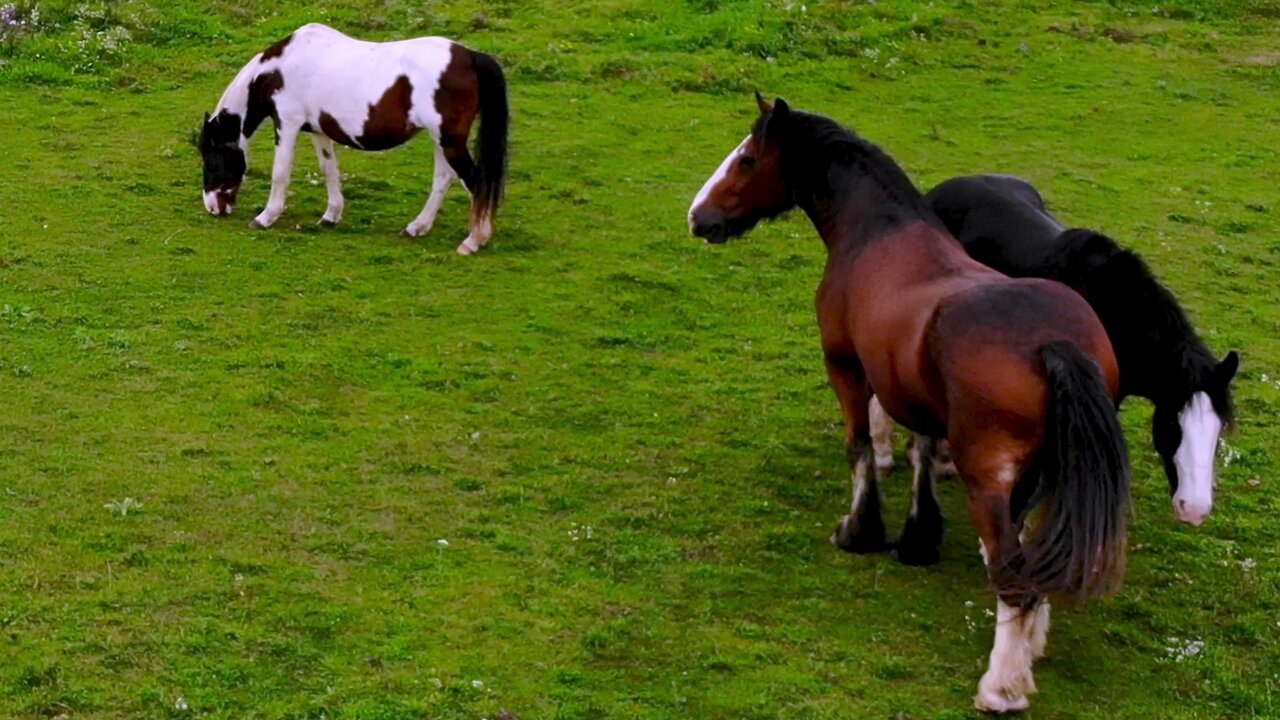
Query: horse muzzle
x=708 y=225
x=219 y=203
x=1191 y=511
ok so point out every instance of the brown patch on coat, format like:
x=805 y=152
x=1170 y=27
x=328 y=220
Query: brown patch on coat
x=330 y=127
x=276 y=49
x=262 y=104
x=388 y=123
x=457 y=98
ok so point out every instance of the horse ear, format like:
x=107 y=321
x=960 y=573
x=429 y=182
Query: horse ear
x=1228 y=367
x=765 y=107
x=781 y=108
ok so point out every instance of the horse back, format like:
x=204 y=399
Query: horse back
x=370 y=95
x=1001 y=220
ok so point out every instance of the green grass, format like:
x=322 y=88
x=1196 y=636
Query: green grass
x=625 y=437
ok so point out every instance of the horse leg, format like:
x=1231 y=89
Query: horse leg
x=281 y=168
x=332 y=181
x=881 y=436
x=1021 y=624
x=455 y=151
x=442 y=176
x=921 y=540
x=862 y=530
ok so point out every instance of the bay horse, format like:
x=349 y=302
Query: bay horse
x=1017 y=374
x=367 y=96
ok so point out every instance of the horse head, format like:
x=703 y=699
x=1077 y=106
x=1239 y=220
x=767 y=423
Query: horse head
x=222 y=152
x=748 y=186
x=1186 y=437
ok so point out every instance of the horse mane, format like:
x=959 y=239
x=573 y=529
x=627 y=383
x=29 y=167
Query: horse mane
x=821 y=147
x=1119 y=284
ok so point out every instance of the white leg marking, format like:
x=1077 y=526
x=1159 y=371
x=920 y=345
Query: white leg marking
x=442 y=176
x=1008 y=681
x=281 y=168
x=1040 y=629
x=1194 y=459
x=332 y=180
x=479 y=237
x=881 y=435
x=859 y=484
x=918 y=471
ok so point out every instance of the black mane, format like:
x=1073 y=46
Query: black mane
x=817 y=147
x=1141 y=316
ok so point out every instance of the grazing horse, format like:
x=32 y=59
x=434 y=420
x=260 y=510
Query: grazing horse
x=1002 y=222
x=368 y=96
x=1018 y=374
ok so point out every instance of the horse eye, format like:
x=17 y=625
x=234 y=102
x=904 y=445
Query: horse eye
x=747 y=162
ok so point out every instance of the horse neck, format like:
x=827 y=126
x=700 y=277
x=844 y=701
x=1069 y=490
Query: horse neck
x=1161 y=357
x=235 y=99
x=853 y=193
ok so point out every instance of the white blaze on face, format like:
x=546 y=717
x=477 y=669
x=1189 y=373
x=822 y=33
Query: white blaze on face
x=1194 y=459
x=716 y=177
x=211 y=202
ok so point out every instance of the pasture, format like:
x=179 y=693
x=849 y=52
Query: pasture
x=589 y=472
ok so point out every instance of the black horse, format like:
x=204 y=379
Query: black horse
x=1002 y=222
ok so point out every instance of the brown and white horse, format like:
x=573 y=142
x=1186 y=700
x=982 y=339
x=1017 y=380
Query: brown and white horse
x=1017 y=374
x=368 y=96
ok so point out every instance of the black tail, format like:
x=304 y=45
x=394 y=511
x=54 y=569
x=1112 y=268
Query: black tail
x=491 y=140
x=1076 y=545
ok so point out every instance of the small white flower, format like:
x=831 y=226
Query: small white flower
x=180 y=704
x=475 y=436
x=442 y=543
x=477 y=684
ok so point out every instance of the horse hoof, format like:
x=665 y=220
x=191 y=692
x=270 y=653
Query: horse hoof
x=999 y=703
x=920 y=543
x=255 y=225
x=327 y=223
x=915 y=555
x=465 y=249
x=859 y=540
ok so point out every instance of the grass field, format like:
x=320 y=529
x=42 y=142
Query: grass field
x=590 y=472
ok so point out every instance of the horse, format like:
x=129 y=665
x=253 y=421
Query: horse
x=1003 y=223
x=1017 y=373
x=367 y=96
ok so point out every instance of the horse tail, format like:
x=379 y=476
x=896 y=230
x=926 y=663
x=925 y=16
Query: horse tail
x=491 y=139
x=1076 y=546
